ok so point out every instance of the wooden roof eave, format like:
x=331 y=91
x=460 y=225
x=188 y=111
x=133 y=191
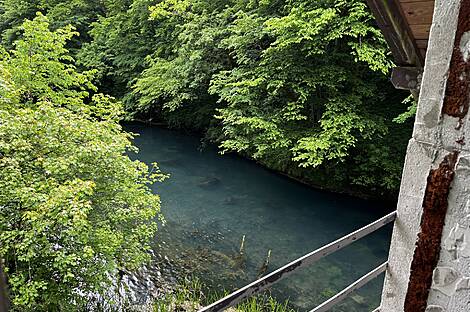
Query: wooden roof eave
x=399 y=36
x=396 y=31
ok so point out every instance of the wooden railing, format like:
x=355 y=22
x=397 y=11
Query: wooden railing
x=270 y=279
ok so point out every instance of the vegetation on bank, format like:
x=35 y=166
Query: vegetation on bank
x=74 y=209
x=189 y=297
x=300 y=86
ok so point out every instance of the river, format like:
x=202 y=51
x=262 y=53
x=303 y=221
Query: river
x=211 y=201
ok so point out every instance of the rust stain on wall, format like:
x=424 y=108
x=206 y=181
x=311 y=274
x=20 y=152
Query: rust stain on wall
x=428 y=247
x=456 y=102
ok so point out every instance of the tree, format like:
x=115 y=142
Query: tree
x=74 y=208
x=299 y=85
x=176 y=81
x=121 y=40
x=79 y=13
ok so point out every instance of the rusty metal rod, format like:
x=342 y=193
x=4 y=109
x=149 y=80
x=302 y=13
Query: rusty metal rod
x=325 y=306
x=279 y=274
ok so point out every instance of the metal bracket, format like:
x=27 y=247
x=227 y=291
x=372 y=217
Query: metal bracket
x=407 y=78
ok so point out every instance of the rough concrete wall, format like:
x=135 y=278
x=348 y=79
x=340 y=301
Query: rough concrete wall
x=445 y=282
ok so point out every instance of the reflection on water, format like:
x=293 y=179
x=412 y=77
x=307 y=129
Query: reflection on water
x=211 y=202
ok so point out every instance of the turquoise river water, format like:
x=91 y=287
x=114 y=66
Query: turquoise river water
x=211 y=201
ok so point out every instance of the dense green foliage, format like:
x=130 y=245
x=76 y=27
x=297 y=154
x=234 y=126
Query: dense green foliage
x=78 y=13
x=74 y=209
x=301 y=86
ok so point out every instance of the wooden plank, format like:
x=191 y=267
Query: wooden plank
x=390 y=19
x=420 y=31
x=422 y=43
x=417 y=13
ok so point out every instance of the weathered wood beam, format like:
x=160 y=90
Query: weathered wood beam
x=396 y=30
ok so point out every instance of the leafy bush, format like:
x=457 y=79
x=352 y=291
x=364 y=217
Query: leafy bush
x=74 y=209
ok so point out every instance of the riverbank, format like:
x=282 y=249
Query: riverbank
x=318 y=179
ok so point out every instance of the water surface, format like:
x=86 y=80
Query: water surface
x=212 y=201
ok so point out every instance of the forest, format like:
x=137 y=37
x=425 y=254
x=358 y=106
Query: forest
x=300 y=87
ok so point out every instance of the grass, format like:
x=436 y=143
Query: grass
x=189 y=297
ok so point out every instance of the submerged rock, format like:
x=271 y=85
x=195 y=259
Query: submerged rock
x=170 y=163
x=231 y=200
x=209 y=182
x=358 y=299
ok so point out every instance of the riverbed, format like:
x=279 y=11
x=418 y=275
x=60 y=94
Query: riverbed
x=213 y=202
